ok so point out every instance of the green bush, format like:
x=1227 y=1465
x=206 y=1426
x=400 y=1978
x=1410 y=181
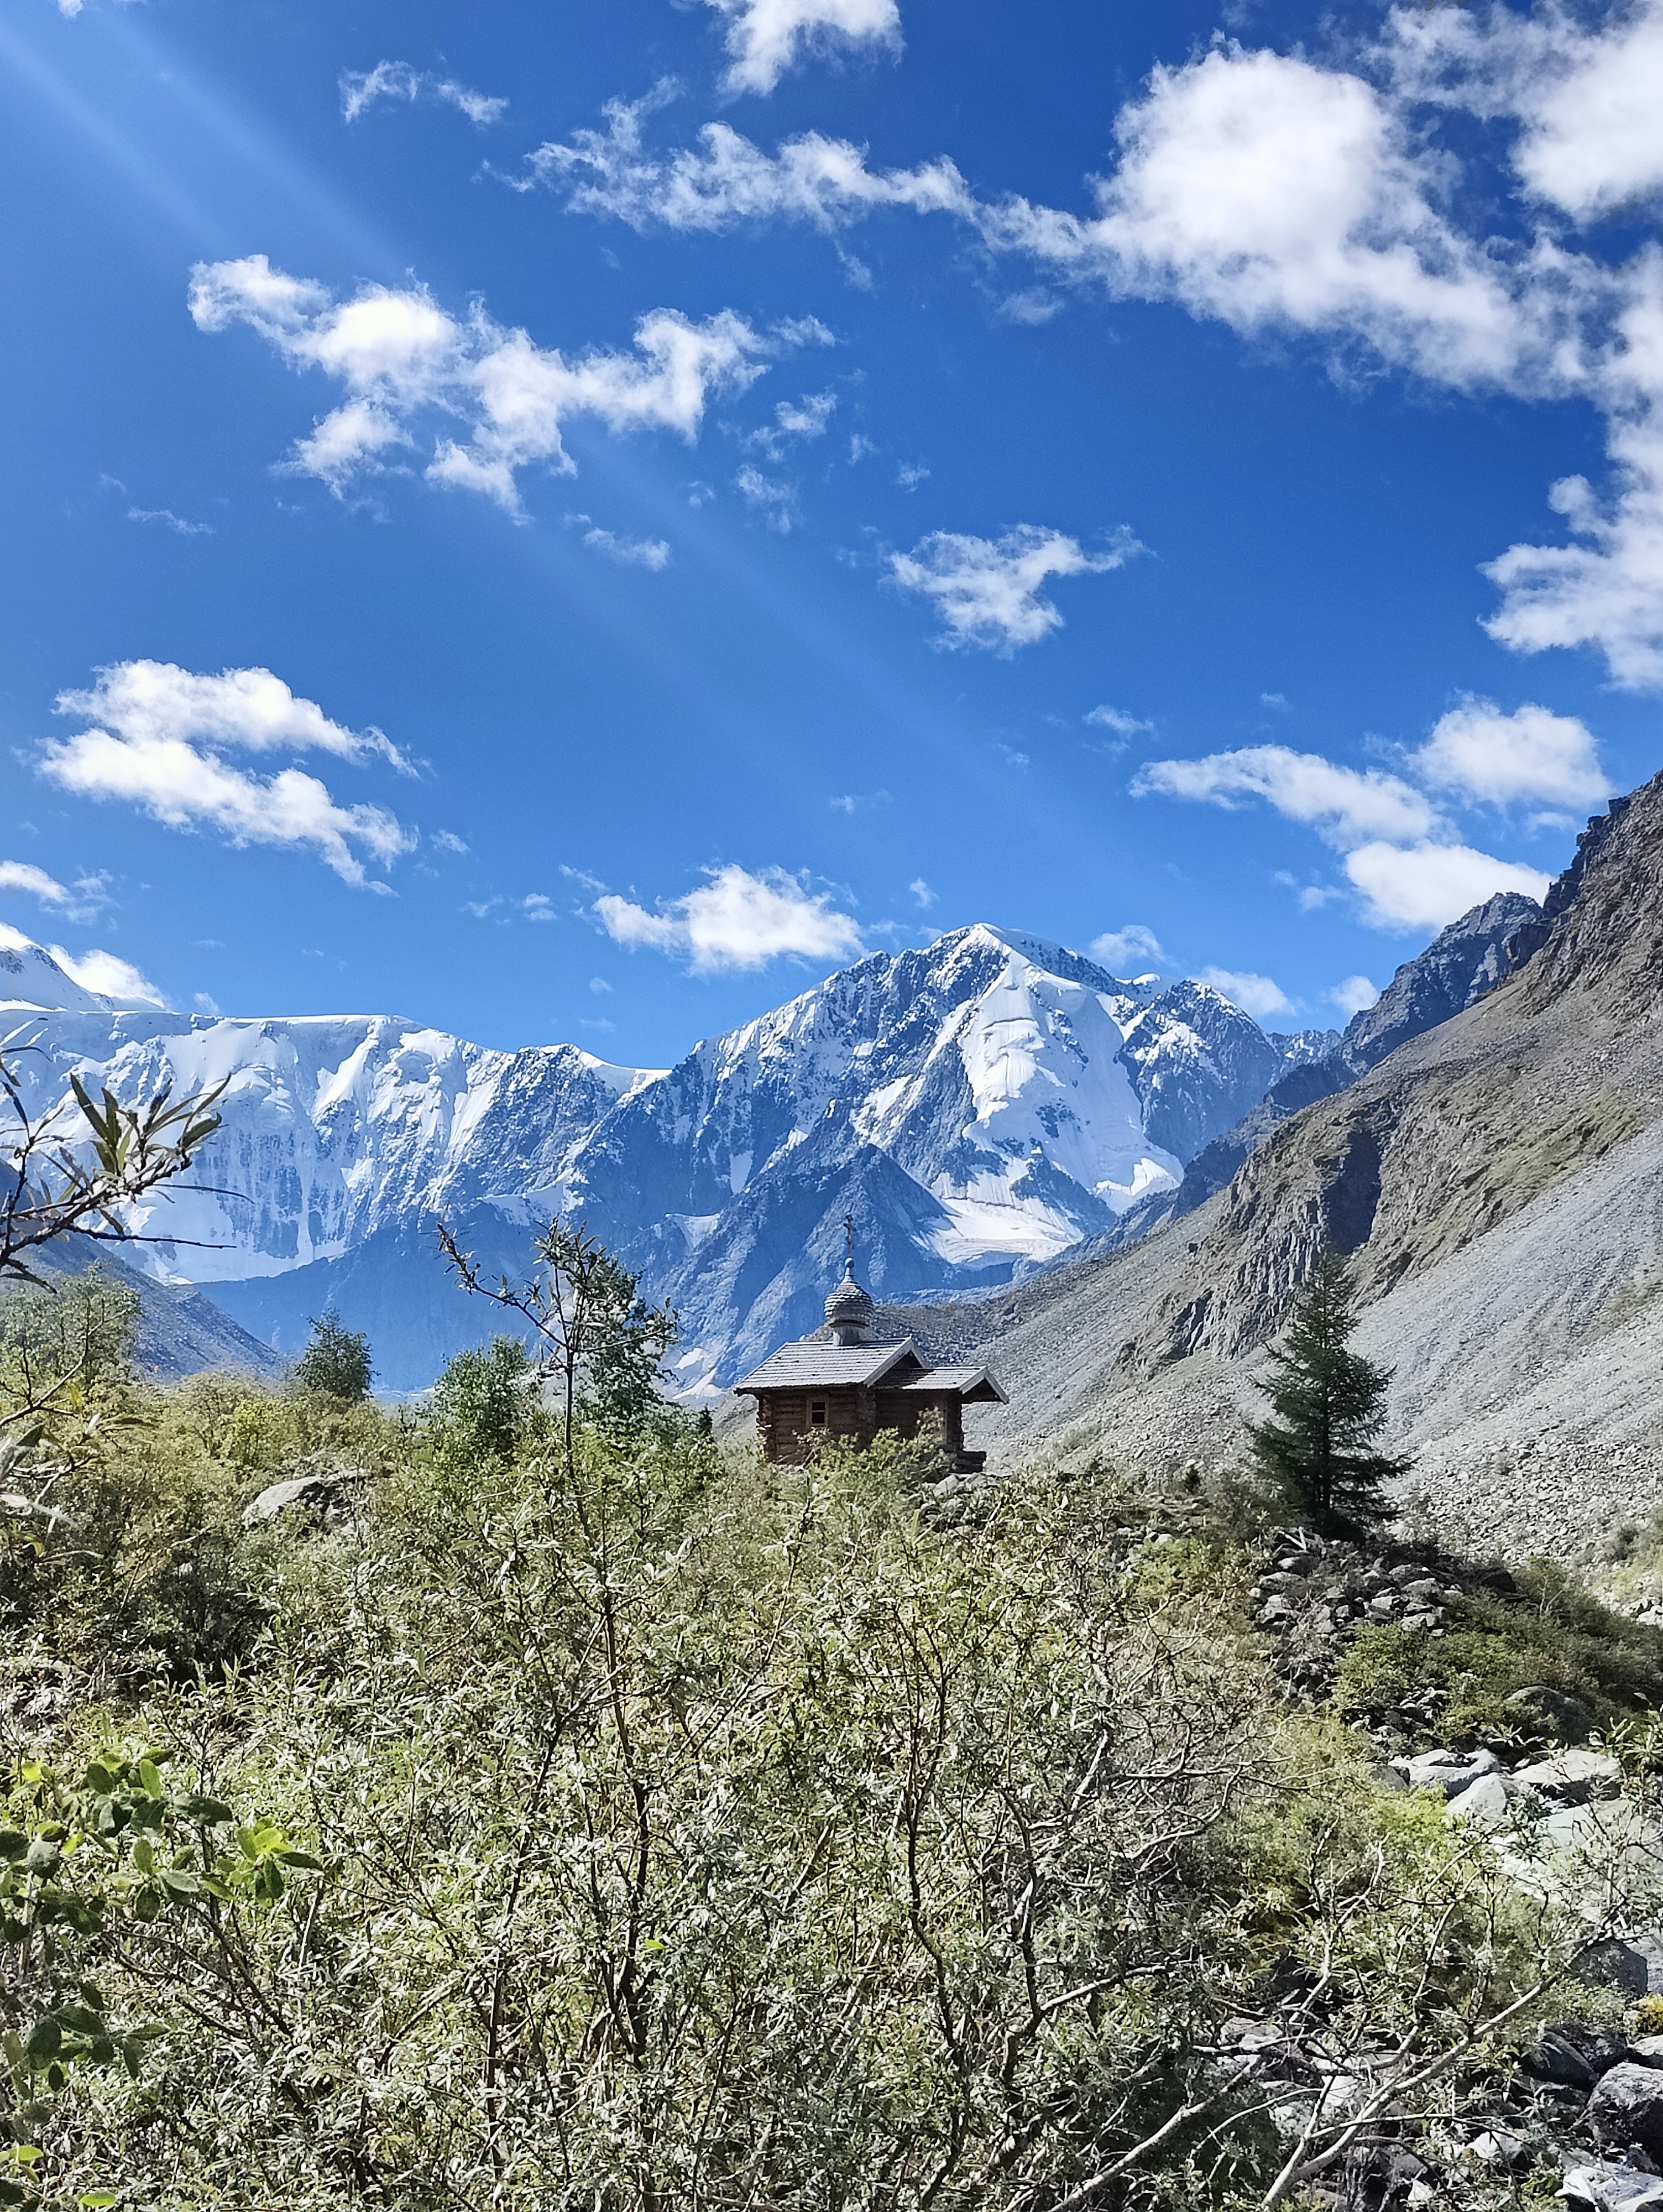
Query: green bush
x=1553 y=1632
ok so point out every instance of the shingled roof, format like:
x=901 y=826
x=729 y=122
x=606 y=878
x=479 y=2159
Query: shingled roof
x=815 y=1363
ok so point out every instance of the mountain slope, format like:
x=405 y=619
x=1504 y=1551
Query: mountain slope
x=1466 y=960
x=980 y=1106
x=1497 y=1179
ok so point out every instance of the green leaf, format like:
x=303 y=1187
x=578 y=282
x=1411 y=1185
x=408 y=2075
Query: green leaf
x=100 y=2196
x=151 y=1782
x=207 y=1812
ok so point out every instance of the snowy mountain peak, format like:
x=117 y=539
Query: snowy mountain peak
x=980 y=1104
x=31 y=981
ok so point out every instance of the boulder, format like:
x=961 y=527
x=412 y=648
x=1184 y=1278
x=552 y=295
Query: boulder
x=1452 y=1771
x=1573 y=2055
x=1617 y=1965
x=1612 y=2189
x=1573 y=1778
x=1627 y=2107
x=1648 y=2050
x=1483 y=1803
x=1555 y=1712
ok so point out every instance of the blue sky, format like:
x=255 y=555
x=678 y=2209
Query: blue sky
x=572 y=522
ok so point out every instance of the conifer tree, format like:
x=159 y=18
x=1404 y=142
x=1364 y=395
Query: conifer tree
x=1326 y=1409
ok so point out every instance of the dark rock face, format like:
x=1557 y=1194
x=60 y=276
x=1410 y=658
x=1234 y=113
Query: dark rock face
x=1627 y=2108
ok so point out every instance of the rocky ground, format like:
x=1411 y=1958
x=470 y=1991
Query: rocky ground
x=1582 y=2116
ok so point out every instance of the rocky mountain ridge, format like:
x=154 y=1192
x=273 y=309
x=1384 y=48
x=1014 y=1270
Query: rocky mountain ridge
x=1498 y=1180
x=980 y=1106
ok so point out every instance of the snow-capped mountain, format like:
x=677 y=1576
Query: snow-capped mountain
x=980 y=1107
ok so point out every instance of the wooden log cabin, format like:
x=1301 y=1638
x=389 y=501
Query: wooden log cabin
x=842 y=1385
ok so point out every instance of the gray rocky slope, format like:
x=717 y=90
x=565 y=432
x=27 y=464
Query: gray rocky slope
x=1498 y=1178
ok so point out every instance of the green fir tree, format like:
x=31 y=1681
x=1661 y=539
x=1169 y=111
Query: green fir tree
x=1327 y=1408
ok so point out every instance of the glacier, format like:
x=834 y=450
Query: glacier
x=980 y=1106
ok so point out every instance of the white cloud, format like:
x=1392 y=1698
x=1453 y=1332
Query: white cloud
x=1588 y=96
x=246 y=707
x=1279 y=196
x=79 y=901
x=729 y=179
x=911 y=474
x=1133 y=950
x=1345 y=804
x=1255 y=994
x=399 y=355
x=922 y=895
x=1606 y=590
x=361 y=89
x=1429 y=885
x=156 y=739
x=1265 y=191
x=987 y=591
x=108 y=973
x=775 y=502
x=808 y=418
x=1529 y=754
x=1354 y=994
x=447 y=841
x=1117 y=718
x=736 y=920
x=766 y=37
x=630 y=552
x=167 y=517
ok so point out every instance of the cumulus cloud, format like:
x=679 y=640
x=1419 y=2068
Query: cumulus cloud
x=737 y=920
x=1426 y=885
x=79 y=901
x=399 y=355
x=1133 y=949
x=1586 y=94
x=1265 y=191
x=1531 y=753
x=157 y=739
x=1606 y=589
x=1353 y=996
x=361 y=89
x=1283 y=197
x=246 y=707
x=1257 y=995
x=766 y=37
x=108 y=973
x=1400 y=859
x=987 y=591
x=1345 y=804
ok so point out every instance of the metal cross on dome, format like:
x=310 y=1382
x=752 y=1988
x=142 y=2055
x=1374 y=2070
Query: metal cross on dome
x=848 y=1236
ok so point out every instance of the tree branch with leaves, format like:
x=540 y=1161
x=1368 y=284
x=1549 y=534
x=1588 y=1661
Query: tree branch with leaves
x=76 y=1168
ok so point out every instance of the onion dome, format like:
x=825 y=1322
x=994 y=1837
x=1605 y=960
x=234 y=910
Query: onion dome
x=849 y=1310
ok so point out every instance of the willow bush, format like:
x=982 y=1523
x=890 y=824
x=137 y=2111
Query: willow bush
x=607 y=1821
